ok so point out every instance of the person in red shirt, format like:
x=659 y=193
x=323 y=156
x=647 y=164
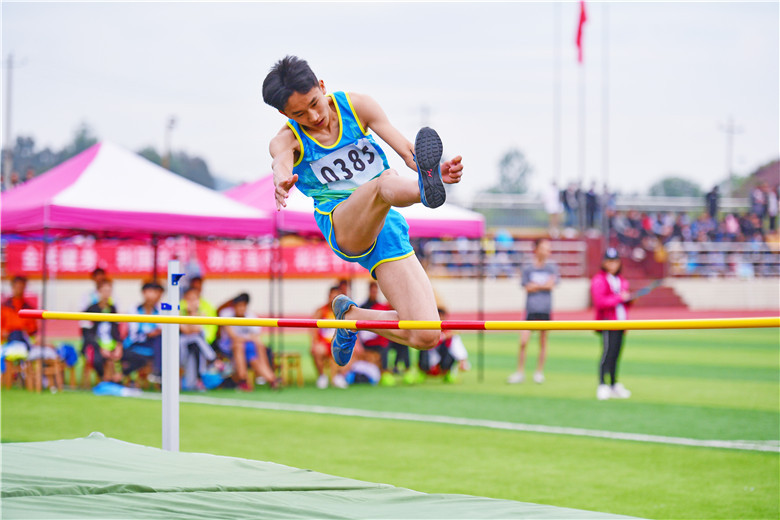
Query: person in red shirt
x=15 y=328
x=321 y=340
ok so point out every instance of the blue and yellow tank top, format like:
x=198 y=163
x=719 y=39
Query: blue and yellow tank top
x=328 y=173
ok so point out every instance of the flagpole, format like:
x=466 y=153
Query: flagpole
x=582 y=124
x=557 y=93
x=605 y=96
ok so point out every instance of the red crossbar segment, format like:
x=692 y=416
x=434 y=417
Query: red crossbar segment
x=33 y=314
x=462 y=325
x=297 y=323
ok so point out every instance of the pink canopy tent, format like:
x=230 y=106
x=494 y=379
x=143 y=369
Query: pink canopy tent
x=107 y=190
x=298 y=217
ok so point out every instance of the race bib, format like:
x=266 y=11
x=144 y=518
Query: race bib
x=350 y=166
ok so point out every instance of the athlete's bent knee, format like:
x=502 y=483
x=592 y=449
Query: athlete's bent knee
x=425 y=339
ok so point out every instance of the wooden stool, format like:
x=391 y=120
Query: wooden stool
x=86 y=374
x=17 y=369
x=286 y=363
x=72 y=377
x=51 y=368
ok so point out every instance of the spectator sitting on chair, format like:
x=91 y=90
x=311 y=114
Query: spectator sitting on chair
x=102 y=342
x=144 y=340
x=15 y=328
x=442 y=359
x=206 y=309
x=196 y=350
x=320 y=346
x=92 y=297
x=373 y=342
x=245 y=345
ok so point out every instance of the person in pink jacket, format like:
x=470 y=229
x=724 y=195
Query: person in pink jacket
x=610 y=296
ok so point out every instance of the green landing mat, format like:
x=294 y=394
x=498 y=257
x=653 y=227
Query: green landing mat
x=100 y=477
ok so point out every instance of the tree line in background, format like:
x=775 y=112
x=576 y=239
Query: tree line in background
x=514 y=169
x=514 y=172
x=27 y=156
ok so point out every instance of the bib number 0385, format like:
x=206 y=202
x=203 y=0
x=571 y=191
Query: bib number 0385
x=349 y=166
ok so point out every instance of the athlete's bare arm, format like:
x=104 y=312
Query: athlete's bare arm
x=373 y=117
x=283 y=148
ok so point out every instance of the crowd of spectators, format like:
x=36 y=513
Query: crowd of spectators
x=212 y=357
x=633 y=228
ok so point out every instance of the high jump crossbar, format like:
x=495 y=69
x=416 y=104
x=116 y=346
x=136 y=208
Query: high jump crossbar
x=718 y=323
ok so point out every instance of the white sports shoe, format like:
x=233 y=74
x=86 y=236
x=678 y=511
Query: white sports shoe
x=603 y=392
x=339 y=381
x=322 y=382
x=516 y=378
x=538 y=378
x=620 y=392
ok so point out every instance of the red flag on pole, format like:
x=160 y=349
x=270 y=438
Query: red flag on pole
x=583 y=19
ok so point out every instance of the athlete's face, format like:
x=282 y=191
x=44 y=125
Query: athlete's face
x=309 y=109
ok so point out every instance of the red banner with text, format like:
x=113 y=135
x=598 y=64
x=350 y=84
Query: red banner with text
x=215 y=259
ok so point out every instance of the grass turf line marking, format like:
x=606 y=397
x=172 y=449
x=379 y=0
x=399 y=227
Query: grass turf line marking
x=770 y=446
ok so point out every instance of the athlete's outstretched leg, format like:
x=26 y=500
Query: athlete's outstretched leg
x=358 y=220
x=409 y=292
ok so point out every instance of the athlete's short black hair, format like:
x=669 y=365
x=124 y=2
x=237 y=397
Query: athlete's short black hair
x=288 y=75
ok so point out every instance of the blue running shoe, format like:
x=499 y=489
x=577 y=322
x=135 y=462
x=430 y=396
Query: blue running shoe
x=344 y=340
x=427 y=155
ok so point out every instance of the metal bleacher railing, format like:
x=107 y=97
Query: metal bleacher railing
x=461 y=258
x=727 y=259
x=527 y=210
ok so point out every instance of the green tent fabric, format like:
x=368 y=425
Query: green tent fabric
x=100 y=477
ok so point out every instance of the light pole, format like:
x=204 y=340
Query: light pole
x=730 y=130
x=168 y=130
x=8 y=161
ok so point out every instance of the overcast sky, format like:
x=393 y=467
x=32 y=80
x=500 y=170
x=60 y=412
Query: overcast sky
x=677 y=71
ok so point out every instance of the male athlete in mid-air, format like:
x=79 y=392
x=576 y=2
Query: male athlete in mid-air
x=327 y=151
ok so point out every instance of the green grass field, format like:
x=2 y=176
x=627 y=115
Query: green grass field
x=720 y=385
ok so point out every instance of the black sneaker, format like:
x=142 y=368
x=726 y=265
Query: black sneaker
x=427 y=155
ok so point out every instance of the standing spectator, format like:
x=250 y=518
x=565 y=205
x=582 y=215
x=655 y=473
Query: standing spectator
x=102 y=342
x=29 y=174
x=758 y=204
x=15 y=180
x=244 y=343
x=771 y=207
x=144 y=340
x=610 y=296
x=539 y=278
x=195 y=349
x=13 y=327
x=321 y=340
x=553 y=207
x=712 y=200
x=591 y=207
x=571 y=204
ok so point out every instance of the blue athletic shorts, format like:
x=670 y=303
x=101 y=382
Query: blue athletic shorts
x=391 y=244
